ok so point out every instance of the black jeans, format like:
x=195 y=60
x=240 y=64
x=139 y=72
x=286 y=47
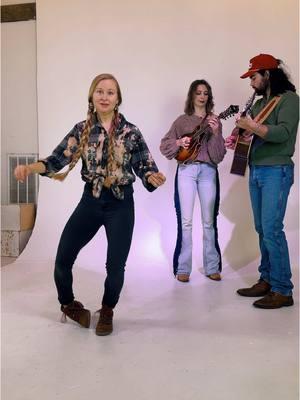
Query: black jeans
x=117 y=216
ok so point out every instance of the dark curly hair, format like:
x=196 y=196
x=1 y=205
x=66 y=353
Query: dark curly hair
x=279 y=80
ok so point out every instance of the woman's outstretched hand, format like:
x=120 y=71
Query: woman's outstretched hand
x=21 y=172
x=156 y=179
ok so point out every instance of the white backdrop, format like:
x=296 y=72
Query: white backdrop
x=155 y=50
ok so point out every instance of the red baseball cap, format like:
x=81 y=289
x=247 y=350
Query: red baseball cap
x=262 y=61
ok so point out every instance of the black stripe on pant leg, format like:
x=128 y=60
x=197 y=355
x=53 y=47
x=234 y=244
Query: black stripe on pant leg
x=216 y=212
x=179 y=225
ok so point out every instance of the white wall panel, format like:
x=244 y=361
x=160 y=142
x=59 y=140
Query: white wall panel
x=155 y=50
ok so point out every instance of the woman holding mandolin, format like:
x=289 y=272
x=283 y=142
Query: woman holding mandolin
x=195 y=140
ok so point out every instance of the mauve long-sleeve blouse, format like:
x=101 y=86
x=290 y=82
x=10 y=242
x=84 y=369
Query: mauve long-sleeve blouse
x=212 y=150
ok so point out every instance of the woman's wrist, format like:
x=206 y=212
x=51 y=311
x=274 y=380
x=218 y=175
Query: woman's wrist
x=36 y=168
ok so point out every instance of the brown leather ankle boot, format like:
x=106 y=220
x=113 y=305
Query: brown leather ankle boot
x=261 y=288
x=183 y=277
x=77 y=313
x=105 y=323
x=274 y=300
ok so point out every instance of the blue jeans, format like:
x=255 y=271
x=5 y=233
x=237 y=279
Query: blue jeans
x=201 y=179
x=269 y=189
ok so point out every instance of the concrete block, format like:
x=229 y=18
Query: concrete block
x=17 y=217
x=14 y=242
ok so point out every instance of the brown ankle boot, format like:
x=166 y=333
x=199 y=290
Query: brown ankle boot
x=274 y=300
x=261 y=288
x=105 y=323
x=183 y=277
x=77 y=313
x=215 y=277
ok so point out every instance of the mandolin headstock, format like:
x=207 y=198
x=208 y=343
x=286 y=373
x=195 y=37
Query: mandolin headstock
x=229 y=112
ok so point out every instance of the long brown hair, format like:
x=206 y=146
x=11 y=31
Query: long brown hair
x=189 y=108
x=87 y=128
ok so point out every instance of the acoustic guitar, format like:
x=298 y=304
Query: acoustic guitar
x=198 y=135
x=243 y=144
x=245 y=137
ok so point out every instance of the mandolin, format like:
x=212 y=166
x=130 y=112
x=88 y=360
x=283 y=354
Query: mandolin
x=198 y=135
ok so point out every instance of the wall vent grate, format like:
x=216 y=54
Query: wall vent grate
x=18 y=192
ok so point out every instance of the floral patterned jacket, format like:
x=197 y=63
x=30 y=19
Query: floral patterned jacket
x=130 y=151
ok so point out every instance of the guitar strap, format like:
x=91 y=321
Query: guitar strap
x=261 y=117
x=243 y=144
x=266 y=111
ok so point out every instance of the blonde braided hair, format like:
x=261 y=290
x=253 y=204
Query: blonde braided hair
x=83 y=141
x=87 y=128
x=112 y=163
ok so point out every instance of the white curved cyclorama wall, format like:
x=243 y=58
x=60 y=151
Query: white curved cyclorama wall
x=155 y=51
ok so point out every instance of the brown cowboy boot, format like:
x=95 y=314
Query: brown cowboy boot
x=77 y=313
x=215 y=277
x=183 y=277
x=274 y=300
x=261 y=288
x=105 y=323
